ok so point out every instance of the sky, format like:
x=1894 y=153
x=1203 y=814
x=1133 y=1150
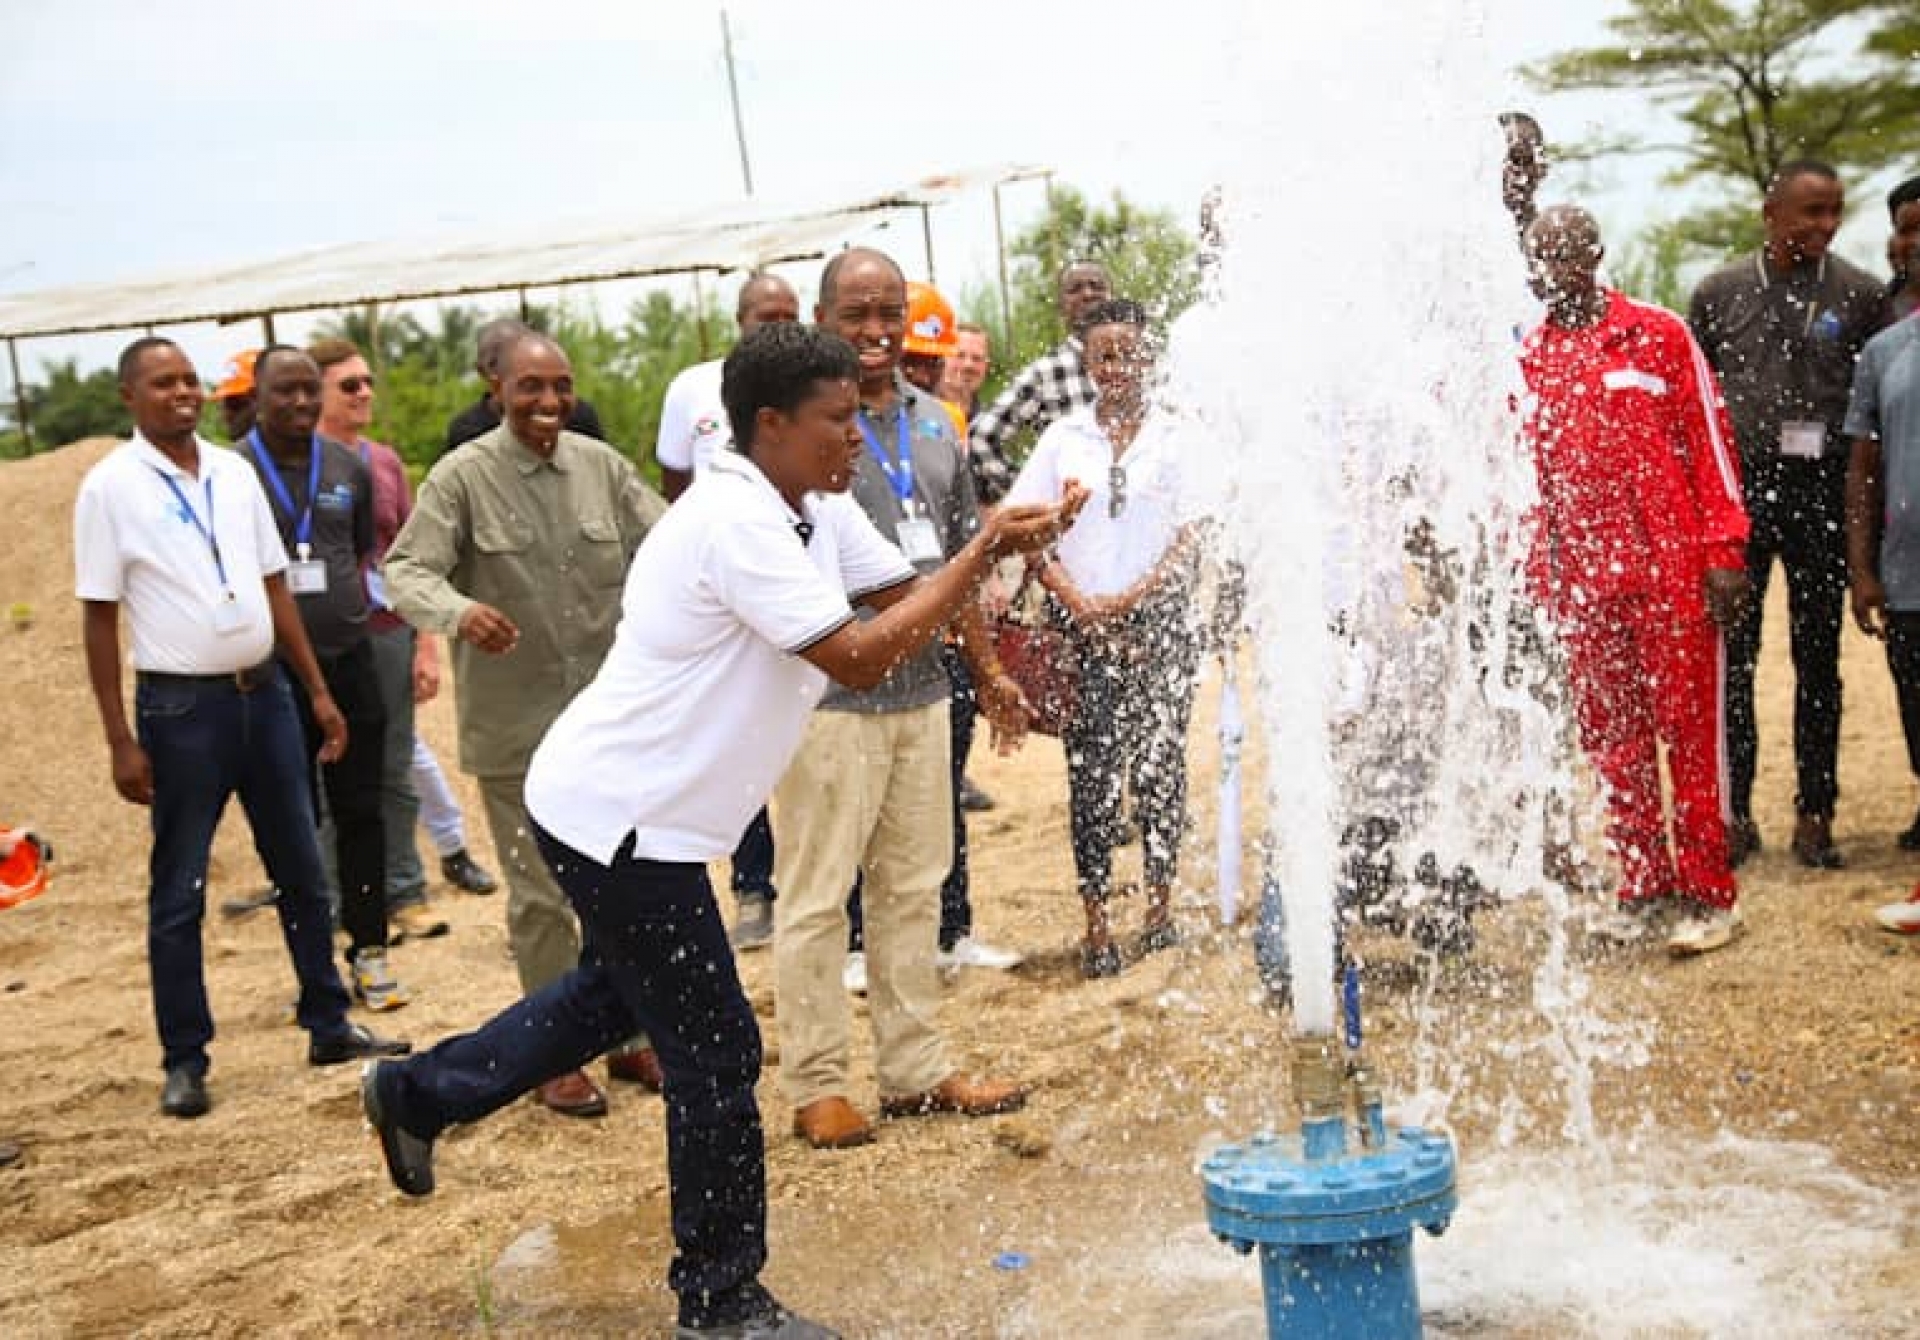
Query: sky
x=139 y=138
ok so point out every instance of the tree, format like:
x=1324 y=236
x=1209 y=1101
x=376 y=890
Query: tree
x=1756 y=85
x=67 y=406
x=1147 y=252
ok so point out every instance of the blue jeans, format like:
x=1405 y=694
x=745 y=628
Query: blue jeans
x=206 y=741
x=654 y=958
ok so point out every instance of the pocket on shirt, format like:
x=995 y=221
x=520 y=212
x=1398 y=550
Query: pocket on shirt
x=490 y=537
x=603 y=559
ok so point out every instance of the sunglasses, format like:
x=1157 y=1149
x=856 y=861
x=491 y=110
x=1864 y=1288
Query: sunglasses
x=1116 y=490
x=354 y=385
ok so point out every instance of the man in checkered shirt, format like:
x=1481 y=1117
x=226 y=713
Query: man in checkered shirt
x=1046 y=389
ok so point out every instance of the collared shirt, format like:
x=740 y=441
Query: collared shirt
x=1120 y=534
x=1783 y=347
x=943 y=494
x=341 y=535
x=136 y=544
x=545 y=541
x=1049 y=388
x=1886 y=406
x=693 y=421
x=704 y=697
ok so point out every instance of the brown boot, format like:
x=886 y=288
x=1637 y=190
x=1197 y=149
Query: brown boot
x=958 y=1093
x=1813 y=843
x=831 y=1123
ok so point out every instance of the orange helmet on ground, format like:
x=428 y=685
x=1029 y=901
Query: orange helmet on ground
x=236 y=378
x=929 y=322
x=23 y=870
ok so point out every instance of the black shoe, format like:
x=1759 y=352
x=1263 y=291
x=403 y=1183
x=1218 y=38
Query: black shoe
x=766 y=1321
x=1743 y=840
x=462 y=872
x=1813 y=844
x=185 y=1094
x=1156 y=938
x=409 y=1158
x=356 y=1044
x=1098 y=963
x=972 y=799
x=1910 y=840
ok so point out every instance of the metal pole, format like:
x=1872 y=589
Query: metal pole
x=1000 y=250
x=733 y=95
x=20 y=396
x=926 y=239
x=523 y=305
x=266 y=328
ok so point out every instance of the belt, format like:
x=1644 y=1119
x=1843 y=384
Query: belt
x=243 y=681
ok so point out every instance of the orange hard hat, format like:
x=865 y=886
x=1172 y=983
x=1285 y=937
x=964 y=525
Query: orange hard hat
x=236 y=378
x=929 y=322
x=23 y=871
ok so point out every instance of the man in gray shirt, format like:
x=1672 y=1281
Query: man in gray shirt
x=321 y=497
x=1781 y=328
x=870 y=789
x=1883 y=517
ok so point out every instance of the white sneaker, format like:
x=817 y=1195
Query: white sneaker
x=968 y=952
x=1903 y=917
x=1705 y=929
x=854 y=975
x=1626 y=923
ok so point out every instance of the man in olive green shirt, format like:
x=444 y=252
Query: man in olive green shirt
x=516 y=550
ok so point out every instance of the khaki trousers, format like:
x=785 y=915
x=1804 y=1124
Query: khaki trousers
x=870 y=792
x=540 y=924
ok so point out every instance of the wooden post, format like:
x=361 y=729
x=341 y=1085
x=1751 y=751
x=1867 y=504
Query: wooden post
x=20 y=411
x=1006 y=298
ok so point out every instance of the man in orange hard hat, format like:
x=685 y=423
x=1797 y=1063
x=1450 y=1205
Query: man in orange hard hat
x=234 y=394
x=928 y=343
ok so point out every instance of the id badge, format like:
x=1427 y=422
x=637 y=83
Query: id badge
x=919 y=541
x=307 y=577
x=228 y=617
x=1803 y=441
x=377 y=590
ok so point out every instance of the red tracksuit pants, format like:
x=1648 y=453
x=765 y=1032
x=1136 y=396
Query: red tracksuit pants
x=1647 y=668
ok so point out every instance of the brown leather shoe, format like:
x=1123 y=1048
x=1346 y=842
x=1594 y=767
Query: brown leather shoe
x=832 y=1123
x=573 y=1095
x=958 y=1093
x=1813 y=843
x=641 y=1067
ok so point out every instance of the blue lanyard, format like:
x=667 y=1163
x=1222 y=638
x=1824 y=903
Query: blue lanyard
x=204 y=527
x=302 y=523
x=899 y=472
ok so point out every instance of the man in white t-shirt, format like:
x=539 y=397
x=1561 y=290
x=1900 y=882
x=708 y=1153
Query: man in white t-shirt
x=177 y=532
x=735 y=613
x=693 y=426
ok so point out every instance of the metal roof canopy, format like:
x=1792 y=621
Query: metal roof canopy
x=722 y=238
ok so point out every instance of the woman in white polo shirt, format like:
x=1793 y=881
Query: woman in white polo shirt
x=1123 y=574
x=735 y=613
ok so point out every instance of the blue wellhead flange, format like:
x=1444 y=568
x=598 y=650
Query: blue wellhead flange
x=1335 y=1236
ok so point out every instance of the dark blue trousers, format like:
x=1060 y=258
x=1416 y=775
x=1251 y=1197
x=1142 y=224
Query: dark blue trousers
x=654 y=959
x=206 y=741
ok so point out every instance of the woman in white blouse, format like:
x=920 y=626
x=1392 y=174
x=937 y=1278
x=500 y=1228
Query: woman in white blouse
x=1122 y=576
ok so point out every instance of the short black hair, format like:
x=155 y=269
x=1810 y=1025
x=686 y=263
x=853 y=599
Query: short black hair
x=131 y=355
x=261 y=359
x=1114 y=312
x=1905 y=193
x=830 y=276
x=776 y=367
x=1799 y=167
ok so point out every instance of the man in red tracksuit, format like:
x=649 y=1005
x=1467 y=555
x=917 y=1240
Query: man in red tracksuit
x=1641 y=561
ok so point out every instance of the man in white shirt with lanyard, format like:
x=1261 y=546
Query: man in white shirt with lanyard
x=693 y=426
x=178 y=532
x=735 y=612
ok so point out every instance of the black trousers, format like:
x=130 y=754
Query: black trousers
x=1797 y=509
x=352 y=784
x=1903 y=662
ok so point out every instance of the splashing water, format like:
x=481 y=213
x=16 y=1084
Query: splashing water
x=1358 y=376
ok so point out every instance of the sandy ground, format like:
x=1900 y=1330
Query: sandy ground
x=271 y=1215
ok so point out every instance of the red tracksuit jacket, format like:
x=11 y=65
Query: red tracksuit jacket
x=1639 y=479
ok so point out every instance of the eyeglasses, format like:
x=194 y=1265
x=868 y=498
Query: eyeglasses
x=1116 y=490
x=354 y=385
